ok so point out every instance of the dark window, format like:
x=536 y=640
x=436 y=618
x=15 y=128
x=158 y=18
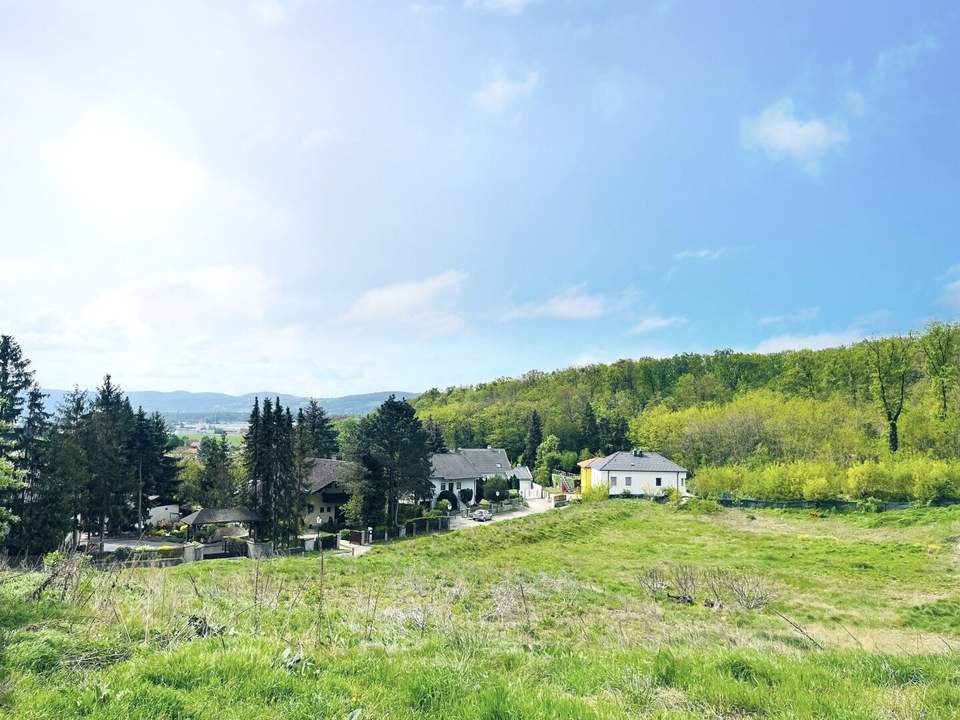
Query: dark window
x=659 y=482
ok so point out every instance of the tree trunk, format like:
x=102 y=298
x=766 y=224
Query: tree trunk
x=894 y=436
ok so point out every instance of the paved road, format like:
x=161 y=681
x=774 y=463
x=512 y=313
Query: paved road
x=536 y=506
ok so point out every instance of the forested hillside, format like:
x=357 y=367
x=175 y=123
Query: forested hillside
x=877 y=400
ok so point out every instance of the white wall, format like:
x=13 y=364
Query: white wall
x=324 y=510
x=458 y=485
x=162 y=512
x=640 y=483
x=530 y=489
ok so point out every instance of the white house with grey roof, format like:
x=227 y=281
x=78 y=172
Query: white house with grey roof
x=638 y=472
x=463 y=469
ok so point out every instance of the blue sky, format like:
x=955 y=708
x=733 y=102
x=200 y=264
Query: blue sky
x=334 y=197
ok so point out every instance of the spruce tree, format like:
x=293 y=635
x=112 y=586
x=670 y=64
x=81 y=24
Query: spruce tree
x=534 y=438
x=323 y=435
x=434 y=436
x=16 y=378
x=589 y=435
x=113 y=481
x=9 y=481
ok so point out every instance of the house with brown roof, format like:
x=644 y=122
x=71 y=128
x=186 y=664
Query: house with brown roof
x=326 y=491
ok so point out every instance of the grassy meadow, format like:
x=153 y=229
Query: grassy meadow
x=550 y=616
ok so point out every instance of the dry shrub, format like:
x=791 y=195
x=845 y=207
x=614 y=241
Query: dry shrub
x=752 y=592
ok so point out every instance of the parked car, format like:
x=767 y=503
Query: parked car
x=482 y=515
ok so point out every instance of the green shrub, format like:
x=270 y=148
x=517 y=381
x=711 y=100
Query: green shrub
x=699 y=506
x=443 y=505
x=596 y=493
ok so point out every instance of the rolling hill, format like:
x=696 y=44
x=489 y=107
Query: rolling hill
x=185 y=405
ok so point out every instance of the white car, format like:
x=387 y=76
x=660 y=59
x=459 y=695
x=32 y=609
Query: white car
x=482 y=515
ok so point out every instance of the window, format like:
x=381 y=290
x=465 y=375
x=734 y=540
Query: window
x=682 y=481
x=613 y=480
x=459 y=484
x=628 y=481
x=659 y=482
x=309 y=507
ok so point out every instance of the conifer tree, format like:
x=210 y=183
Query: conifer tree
x=113 y=481
x=589 y=435
x=393 y=450
x=534 y=438
x=434 y=436
x=322 y=434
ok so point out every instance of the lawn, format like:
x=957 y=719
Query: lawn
x=542 y=617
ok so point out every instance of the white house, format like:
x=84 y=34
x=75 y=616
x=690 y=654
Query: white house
x=638 y=472
x=525 y=484
x=160 y=509
x=463 y=469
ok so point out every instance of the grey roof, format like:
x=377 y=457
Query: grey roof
x=641 y=461
x=470 y=463
x=220 y=515
x=325 y=472
x=522 y=473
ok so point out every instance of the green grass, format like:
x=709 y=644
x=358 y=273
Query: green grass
x=542 y=617
x=232 y=439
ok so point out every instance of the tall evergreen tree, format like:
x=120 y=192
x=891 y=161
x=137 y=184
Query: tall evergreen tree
x=273 y=479
x=16 y=378
x=42 y=502
x=217 y=480
x=394 y=450
x=68 y=456
x=10 y=483
x=534 y=438
x=434 y=436
x=113 y=481
x=589 y=435
x=322 y=434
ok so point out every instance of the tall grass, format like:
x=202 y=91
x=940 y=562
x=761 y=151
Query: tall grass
x=543 y=617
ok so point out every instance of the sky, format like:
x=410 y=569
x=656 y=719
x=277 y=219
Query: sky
x=329 y=197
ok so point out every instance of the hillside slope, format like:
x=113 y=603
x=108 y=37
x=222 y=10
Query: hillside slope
x=542 y=617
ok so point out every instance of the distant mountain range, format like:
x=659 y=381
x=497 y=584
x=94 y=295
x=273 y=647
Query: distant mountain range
x=182 y=405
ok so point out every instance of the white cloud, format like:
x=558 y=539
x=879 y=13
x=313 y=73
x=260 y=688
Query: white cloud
x=702 y=254
x=502 y=92
x=657 y=322
x=952 y=294
x=778 y=132
x=571 y=304
x=269 y=12
x=315 y=139
x=815 y=341
x=896 y=62
x=514 y=7
x=423 y=305
x=801 y=315
x=421 y=9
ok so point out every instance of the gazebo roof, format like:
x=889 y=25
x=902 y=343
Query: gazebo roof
x=220 y=515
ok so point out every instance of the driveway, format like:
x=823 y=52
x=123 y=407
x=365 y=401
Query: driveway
x=537 y=505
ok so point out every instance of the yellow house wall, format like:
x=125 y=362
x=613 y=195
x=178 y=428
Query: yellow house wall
x=585 y=479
